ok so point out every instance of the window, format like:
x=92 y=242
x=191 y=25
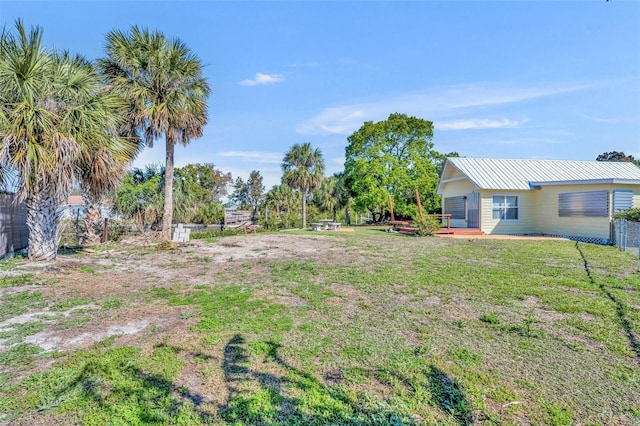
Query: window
x=455 y=207
x=622 y=200
x=583 y=204
x=505 y=207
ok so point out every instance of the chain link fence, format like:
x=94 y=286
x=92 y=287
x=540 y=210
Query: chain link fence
x=626 y=236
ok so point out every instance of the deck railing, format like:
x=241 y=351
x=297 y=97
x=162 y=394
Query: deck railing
x=444 y=218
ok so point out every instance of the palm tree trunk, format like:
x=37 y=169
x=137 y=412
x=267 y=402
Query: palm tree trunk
x=43 y=221
x=304 y=208
x=167 y=217
x=93 y=221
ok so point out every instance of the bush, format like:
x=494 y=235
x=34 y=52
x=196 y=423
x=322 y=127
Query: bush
x=214 y=232
x=291 y=220
x=632 y=215
x=271 y=223
x=210 y=213
x=427 y=224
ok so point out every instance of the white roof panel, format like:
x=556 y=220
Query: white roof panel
x=510 y=174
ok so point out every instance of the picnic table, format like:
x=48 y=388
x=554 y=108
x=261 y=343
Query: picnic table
x=325 y=225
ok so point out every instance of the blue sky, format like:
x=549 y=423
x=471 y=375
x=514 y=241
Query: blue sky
x=517 y=79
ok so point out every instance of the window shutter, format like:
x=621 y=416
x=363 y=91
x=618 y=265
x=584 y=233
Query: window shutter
x=583 y=204
x=622 y=200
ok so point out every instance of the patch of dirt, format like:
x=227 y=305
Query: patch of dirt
x=107 y=273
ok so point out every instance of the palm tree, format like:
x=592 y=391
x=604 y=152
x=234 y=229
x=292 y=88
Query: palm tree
x=303 y=169
x=99 y=172
x=139 y=197
x=281 y=198
x=165 y=84
x=53 y=110
x=326 y=197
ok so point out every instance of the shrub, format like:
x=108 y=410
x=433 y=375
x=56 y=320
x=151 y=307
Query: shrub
x=632 y=215
x=427 y=224
x=210 y=213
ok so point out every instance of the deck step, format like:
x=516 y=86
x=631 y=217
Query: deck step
x=459 y=231
x=407 y=230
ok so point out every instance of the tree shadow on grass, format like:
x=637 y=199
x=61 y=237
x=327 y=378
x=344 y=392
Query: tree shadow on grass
x=297 y=397
x=122 y=392
x=112 y=386
x=621 y=308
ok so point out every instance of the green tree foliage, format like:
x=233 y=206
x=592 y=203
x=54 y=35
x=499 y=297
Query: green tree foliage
x=248 y=195
x=210 y=213
x=196 y=193
x=617 y=156
x=343 y=195
x=165 y=84
x=303 y=169
x=632 y=215
x=333 y=196
x=395 y=157
x=206 y=183
x=58 y=123
x=325 y=198
x=439 y=160
x=100 y=171
x=139 y=197
x=282 y=201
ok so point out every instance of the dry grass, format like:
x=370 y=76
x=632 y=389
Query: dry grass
x=301 y=328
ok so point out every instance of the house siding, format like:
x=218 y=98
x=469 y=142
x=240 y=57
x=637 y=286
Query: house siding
x=524 y=225
x=456 y=189
x=548 y=220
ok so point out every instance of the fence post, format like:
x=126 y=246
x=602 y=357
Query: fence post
x=106 y=229
x=635 y=230
x=636 y=225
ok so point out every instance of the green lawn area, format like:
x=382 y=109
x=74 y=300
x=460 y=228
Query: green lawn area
x=358 y=328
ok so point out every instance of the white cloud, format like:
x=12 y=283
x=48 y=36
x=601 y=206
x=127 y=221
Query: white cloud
x=254 y=156
x=433 y=104
x=477 y=123
x=338 y=120
x=261 y=79
x=612 y=120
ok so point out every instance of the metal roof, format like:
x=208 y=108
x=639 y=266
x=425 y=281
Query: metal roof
x=510 y=174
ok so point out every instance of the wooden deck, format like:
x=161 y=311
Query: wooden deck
x=459 y=231
x=404 y=227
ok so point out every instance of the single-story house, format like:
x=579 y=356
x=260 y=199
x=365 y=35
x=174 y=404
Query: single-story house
x=76 y=210
x=572 y=199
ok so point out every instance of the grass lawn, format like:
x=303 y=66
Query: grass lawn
x=323 y=328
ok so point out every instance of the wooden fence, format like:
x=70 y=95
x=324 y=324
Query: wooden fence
x=14 y=234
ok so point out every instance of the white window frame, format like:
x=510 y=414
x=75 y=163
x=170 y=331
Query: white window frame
x=504 y=196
